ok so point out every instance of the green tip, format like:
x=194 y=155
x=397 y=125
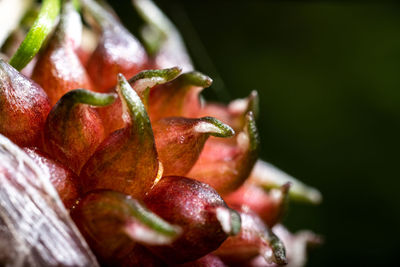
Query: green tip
x=278 y=248
x=229 y=219
x=152 y=220
x=37 y=34
x=158 y=76
x=252 y=131
x=195 y=78
x=88 y=97
x=214 y=127
x=253 y=103
x=134 y=106
x=236 y=222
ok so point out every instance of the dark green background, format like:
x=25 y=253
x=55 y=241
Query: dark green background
x=328 y=78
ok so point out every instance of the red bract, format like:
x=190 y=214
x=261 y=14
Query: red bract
x=179 y=97
x=233 y=114
x=63 y=179
x=205 y=219
x=270 y=206
x=127 y=160
x=255 y=238
x=58 y=69
x=115 y=224
x=142 y=83
x=73 y=129
x=24 y=107
x=225 y=165
x=118 y=51
x=179 y=141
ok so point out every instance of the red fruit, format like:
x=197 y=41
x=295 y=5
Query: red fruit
x=179 y=141
x=233 y=114
x=197 y=208
x=225 y=165
x=62 y=178
x=270 y=206
x=118 y=51
x=73 y=129
x=179 y=97
x=23 y=107
x=127 y=160
x=255 y=238
x=33 y=216
x=142 y=83
x=58 y=69
x=115 y=224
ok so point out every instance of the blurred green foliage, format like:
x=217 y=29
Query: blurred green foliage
x=329 y=84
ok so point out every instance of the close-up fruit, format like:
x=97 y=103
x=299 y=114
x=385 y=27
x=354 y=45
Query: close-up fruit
x=111 y=156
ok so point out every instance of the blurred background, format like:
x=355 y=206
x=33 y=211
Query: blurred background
x=328 y=77
x=327 y=73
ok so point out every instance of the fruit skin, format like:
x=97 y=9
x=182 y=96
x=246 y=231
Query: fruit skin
x=126 y=161
x=191 y=205
x=255 y=238
x=58 y=69
x=118 y=51
x=180 y=140
x=63 y=179
x=23 y=107
x=270 y=206
x=179 y=97
x=116 y=226
x=73 y=129
x=225 y=164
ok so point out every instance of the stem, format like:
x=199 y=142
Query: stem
x=37 y=34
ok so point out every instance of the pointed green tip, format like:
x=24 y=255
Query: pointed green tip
x=277 y=247
x=88 y=97
x=214 y=127
x=134 y=110
x=252 y=131
x=152 y=220
x=159 y=76
x=253 y=103
x=229 y=219
x=195 y=78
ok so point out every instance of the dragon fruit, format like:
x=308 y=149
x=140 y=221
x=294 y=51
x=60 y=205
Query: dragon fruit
x=111 y=157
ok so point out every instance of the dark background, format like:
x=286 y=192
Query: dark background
x=328 y=78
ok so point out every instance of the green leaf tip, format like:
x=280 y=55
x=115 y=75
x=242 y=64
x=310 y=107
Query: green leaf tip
x=253 y=103
x=252 y=131
x=195 y=78
x=268 y=176
x=214 y=127
x=133 y=108
x=150 y=219
x=88 y=97
x=159 y=76
x=229 y=219
x=277 y=247
x=33 y=41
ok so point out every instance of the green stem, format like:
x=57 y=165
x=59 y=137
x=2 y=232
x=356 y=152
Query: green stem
x=37 y=34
